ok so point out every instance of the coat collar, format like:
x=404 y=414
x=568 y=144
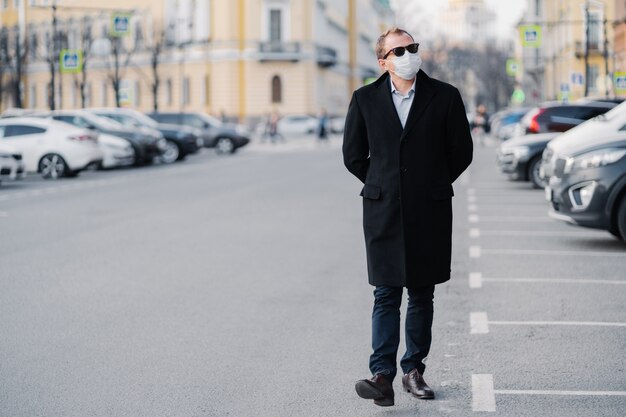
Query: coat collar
x=424 y=93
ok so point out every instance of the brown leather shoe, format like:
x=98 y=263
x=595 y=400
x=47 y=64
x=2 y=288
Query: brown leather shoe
x=414 y=383
x=378 y=389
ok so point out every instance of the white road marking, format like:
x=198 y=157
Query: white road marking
x=479 y=324
x=552 y=252
x=542 y=233
x=471 y=198
x=558 y=323
x=474 y=252
x=483 y=395
x=514 y=219
x=575 y=393
x=473 y=218
x=474 y=233
x=475 y=280
x=472 y=208
x=556 y=280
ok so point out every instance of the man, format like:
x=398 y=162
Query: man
x=407 y=139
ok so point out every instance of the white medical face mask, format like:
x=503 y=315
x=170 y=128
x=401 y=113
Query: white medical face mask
x=407 y=65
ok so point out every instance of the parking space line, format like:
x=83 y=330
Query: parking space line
x=552 y=252
x=575 y=393
x=483 y=395
x=513 y=219
x=478 y=282
x=541 y=233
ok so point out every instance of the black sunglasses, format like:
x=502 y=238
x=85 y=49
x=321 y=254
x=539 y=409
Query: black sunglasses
x=399 y=50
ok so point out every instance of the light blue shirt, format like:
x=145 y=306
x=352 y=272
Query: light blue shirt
x=402 y=103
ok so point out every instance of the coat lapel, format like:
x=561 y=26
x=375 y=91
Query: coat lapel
x=423 y=95
x=386 y=102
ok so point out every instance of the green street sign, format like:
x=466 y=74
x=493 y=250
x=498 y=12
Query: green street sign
x=120 y=24
x=530 y=35
x=518 y=96
x=512 y=67
x=71 y=61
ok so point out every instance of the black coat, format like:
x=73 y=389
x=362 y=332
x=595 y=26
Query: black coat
x=407 y=175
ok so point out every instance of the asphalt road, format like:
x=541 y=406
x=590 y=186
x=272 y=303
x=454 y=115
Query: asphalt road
x=236 y=286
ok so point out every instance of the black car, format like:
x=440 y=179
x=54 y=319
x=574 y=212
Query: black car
x=520 y=157
x=560 y=117
x=225 y=138
x=586 y=168
x=181 y=140
x=147 y=145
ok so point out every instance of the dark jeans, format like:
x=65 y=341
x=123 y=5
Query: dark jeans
x=386 y=329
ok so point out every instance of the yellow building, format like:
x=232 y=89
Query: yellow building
x=240 y=58
x=565 y=24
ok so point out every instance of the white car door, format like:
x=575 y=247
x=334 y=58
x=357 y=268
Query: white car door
x=29 y=140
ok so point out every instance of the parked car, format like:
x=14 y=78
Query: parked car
x=225 y=138
x=117 y=152
x=504 y=123
x=146 y=145
x=11 y=163
x=50 y=147
x=181 y=140
x=520 y=157
x=586 y=171
x=559 y=117
x=297 y=124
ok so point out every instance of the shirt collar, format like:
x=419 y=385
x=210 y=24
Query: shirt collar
x=393 y=87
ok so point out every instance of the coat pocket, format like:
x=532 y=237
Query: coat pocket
x=371 y=191
x=442 y=193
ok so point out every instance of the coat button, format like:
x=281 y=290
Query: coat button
x=403 y=169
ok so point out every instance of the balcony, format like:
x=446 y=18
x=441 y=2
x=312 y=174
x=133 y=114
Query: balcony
x=326 y=57
x=280 y=51
x=595 y=49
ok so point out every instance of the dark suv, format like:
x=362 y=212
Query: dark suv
x=559 y=117
x=225 y=138
x=586 y=168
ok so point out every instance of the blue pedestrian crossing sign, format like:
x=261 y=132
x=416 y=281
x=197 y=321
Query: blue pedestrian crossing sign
x=71 y=61
x=120 y=24
x=531 y=36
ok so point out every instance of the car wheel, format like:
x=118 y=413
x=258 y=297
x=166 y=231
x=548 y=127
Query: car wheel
x=621 y=219
x=533 y=173
x=224 y=146
x=171 y=152
x=52 y=166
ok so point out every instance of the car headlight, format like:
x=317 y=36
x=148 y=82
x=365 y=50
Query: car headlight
x=594 y=159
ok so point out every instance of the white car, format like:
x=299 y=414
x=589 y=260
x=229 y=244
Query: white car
x=55 y=149
x=117 y=152
x=11 y=163
x=297 y=124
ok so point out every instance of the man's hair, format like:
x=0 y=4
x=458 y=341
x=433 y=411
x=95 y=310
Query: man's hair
x=380 y=43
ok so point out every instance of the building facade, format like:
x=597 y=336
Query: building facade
x=239 y=58
x=575 y=58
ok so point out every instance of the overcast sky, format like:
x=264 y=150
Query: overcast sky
x=509 y=11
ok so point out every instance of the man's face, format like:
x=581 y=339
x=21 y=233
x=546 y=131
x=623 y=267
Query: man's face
x=393 y=40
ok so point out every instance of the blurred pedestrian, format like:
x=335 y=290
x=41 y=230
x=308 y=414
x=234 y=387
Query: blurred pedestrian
x=407 y=138
x=323 y=126
x=480 y=125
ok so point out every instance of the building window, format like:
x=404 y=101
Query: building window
x=168 y=92
x=277 y=89
x=185 y=99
